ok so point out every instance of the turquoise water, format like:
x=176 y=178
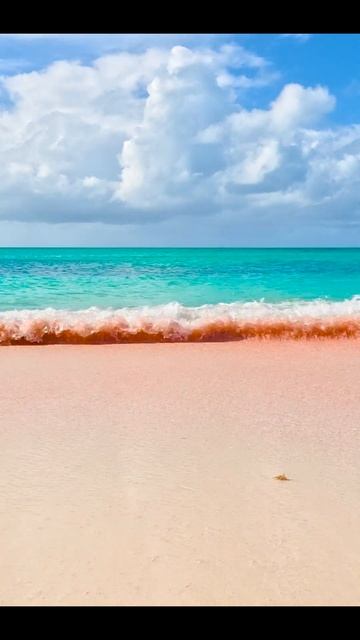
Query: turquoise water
x=77 y=279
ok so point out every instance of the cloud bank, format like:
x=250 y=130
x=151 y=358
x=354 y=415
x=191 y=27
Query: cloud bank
x=143 y=138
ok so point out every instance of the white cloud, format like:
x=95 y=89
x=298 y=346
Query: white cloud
x=11 y=65
x=301 y=37
x=145 y=137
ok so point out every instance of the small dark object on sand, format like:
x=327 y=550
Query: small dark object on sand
x=281 y=476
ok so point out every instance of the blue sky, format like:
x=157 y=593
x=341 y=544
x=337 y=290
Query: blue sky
x=233 y=139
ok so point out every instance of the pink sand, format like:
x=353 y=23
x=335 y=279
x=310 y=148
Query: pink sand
x=143 y=474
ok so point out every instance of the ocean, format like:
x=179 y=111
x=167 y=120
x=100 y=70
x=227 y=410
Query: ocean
x=109 y=295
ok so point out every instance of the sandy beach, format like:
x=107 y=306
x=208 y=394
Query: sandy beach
x=144 y=474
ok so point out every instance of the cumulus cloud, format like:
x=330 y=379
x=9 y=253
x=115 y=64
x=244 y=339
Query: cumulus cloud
x=146 y=137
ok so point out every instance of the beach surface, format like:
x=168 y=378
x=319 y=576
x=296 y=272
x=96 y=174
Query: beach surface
x=144 y=474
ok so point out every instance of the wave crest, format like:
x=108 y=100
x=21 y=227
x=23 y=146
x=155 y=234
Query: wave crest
x=176 y=323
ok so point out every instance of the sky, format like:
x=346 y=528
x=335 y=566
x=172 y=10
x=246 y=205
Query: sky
x=179 y=140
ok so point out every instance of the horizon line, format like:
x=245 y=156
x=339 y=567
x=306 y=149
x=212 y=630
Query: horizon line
x=177 y=247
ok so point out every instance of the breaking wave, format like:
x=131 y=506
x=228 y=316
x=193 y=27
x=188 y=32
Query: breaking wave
x=176 y=323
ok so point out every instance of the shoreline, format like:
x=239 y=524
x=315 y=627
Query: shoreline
x=144 y=473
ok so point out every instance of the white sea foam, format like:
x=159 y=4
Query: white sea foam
x=174 y=322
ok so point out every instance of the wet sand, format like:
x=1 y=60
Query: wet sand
x=144 y=474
